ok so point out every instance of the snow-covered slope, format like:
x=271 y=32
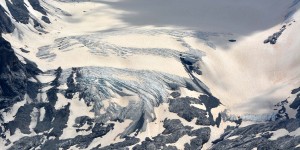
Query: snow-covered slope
x=138 y=74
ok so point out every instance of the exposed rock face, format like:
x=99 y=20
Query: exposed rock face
x=260 y=136
x=6 y=26
x=55 y=144
x=37 y=6
x=182 y=107
x=273 y=38
x=46 y=19
x=129 y=141
x=202 y=137
x=174 y=130
x=18 y=10
x=296 y=103
x=13 y=75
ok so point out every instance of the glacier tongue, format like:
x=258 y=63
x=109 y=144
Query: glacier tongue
x=120 y=94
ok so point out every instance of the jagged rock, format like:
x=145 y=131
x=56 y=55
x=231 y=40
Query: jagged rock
x=120 y=145
x=170 y=148
x=294 y=91
x=13 y=76
x=202 y=137
x=18 y=10
x=80 y=141
x=250 y=142
x=45 y=124
x=174 y=130
x=27 y=142
x=247 y=136
x=46 y=19
x=182 y=107
x=37 y=25
x=37 y=6
x=273 y=38
x=22 y=120
x=296 y=102
x=20 y=13
x=60 y=121
x=80 y=121
x=175 y=94
x=71 y=85
x=267 y=135
x=6 y=26
x=24 y=50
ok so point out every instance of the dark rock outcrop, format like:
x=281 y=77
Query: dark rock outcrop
x=24 y=50
x=20 y=13
x=13 y=76
x=6 y=26
x=81 y=141
x=182 y=107
x=296 y=105
x=257 y=136
x=82 y=120
x=21 y=121
x=37 y=6
x=18 y=10
x=273 y=38
x=129 y=141
x=46 y=19
x=281 y=107
x=174 y=130
x=294 y=91
x=27 y=142
x=175 y=94
x=202 y=136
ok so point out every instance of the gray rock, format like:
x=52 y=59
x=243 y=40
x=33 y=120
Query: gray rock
x=129 y=141
x=13 y=76
x=174 y=130
x=27 y=143
x=18 y=10
x=273 y=38
x=80 y=141
x=182 y=107
x=294 y=91
x=82 y=120
x=202 y=137
x=247 y=136
x=175 y=94
x=46 y=19
x=37 y=6
x=296 y=105
x=6 y=26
